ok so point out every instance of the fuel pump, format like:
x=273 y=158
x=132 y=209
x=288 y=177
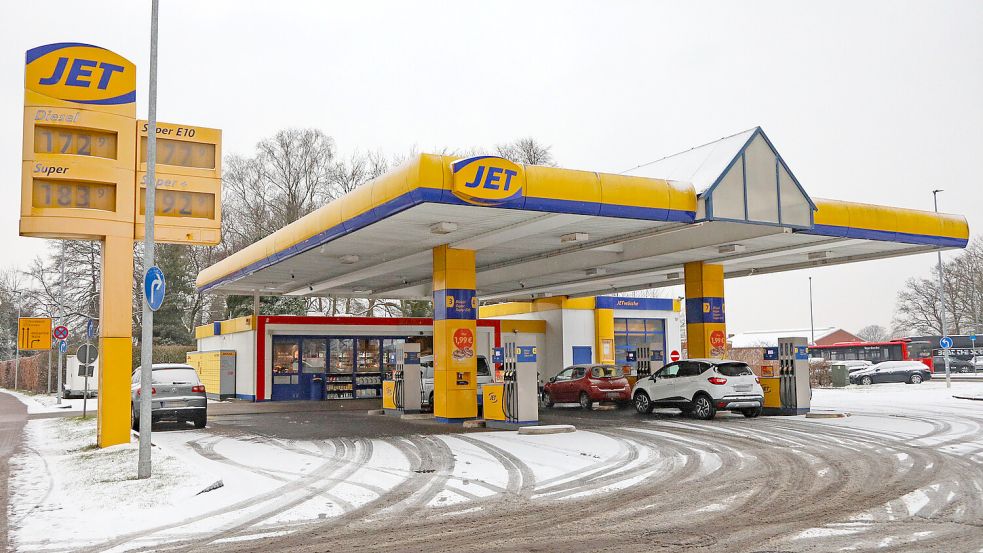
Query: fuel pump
x=785 y=378
x=515 y=401
x=402 y=393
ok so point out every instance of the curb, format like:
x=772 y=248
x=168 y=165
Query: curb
x=827 y=415
x=971 y=398
x=547 y=429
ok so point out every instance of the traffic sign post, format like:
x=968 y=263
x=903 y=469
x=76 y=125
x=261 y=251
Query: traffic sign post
x=153 y=281
x=86 y=355
x=945 y=343
x=33 y=333
x=61 y=334
x=154 y=287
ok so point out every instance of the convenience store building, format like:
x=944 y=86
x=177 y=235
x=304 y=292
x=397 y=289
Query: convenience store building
x=281 y=358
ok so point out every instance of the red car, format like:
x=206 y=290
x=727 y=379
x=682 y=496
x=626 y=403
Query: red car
x=586 y=384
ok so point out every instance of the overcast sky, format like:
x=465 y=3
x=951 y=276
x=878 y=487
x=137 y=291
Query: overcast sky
x=867 y=101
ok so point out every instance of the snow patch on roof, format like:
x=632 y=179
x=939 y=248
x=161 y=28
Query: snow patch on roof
x=700 y=166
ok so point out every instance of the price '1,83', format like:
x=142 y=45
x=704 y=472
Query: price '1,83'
x=71 y=194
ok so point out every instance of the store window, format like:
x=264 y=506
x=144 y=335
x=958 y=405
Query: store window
x=342 y=355
x=315 y=355
x=369 y=355
x=285 y=356
x=631 y=334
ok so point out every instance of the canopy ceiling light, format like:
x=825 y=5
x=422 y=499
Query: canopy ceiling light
x=574 y=237
x=814 y=256
x=444 y=227
x=731 y=248
x=348 y=259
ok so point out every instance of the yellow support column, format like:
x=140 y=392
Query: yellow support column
x=115 y=341
x=706 y=329
x=604 y=329
x=455 y=312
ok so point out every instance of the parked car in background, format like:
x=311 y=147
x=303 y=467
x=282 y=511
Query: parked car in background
x=176 y=394
x=978 y=362
x=912 y=372
x=426 y=376
x=955 y=365
x=587 y=384
x=852 y=365
x=701 y=387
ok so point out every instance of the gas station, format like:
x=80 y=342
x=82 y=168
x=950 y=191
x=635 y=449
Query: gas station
x=494 y=244
x=524 y=264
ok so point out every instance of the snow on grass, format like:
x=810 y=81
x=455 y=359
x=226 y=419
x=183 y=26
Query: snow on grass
x=43 y=403
x=66 y=493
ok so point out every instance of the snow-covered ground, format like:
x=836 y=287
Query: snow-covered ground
x=67 y=495
x=42 y=403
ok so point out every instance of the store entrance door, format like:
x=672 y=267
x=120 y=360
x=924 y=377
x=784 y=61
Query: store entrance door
x=286 y=365
x=313 y=368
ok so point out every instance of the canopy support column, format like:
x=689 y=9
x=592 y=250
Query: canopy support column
x=455 y=310
x=706 y=329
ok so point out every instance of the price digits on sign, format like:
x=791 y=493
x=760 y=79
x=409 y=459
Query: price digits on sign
x=70 y=194
x=180 y=153
x=177 y=203
x=60 y=140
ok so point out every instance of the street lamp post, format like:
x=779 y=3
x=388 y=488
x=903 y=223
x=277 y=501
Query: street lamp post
x=812 y=322
x=945 y=330
x=16 y=342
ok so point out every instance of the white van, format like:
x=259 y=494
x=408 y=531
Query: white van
x=426 y=368
x=75 y=378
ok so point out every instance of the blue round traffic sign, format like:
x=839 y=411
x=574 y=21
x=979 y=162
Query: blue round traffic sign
x=153 y=287
x=945 y=342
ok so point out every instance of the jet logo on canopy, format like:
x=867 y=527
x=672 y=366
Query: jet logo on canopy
x=487 y=180
x=80 y=73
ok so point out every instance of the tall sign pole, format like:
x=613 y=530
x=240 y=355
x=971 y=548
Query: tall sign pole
x=945 y=330
x=62 y=321
x=147 y=336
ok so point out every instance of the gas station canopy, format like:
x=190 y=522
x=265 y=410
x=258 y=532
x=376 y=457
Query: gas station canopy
x=732 y=202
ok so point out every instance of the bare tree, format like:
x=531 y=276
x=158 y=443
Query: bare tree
x=873 y=333
x=527 y=151
x=289 y=176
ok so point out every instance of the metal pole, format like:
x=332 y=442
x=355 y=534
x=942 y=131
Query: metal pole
x=17 y=343
x=945 y=330
x=61 y=305
x=49 y=371
x=812 y=323
x=147 y=334
x=85 y=367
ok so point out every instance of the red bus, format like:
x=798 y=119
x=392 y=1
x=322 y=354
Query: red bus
x=876 y=352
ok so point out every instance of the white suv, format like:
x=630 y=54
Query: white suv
x=701 y=387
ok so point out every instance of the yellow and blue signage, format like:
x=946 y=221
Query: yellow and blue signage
x=525 y=354
x=455 y=303
x=81 y=74
x=705 y=310
x=488 y=180
x=801 y=353
x=644 y=304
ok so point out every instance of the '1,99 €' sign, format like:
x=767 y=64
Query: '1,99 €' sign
x=463 y=344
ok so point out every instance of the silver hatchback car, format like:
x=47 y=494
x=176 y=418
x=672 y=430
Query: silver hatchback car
x=177 y=395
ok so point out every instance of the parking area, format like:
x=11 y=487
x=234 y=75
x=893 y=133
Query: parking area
x=902 y=470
